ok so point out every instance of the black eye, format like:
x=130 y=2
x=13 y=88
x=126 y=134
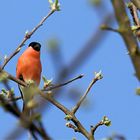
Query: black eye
x=35 y=45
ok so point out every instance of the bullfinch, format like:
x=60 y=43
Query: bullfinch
x=29 y=70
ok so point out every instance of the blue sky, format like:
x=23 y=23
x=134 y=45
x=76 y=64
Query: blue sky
x=113 y=96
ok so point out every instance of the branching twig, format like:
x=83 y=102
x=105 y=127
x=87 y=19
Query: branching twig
x=48 y=96
x=67 y=112
x=71 y=113
x=94 y=128
x=98 y=76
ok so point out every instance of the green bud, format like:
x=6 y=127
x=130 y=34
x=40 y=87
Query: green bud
x=4 y=91
x=46 y=82
x=106 y=121
x=68 y=117
x=98 y=75
x=55 y=6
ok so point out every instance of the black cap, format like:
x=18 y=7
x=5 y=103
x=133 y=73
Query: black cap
x=35 y=45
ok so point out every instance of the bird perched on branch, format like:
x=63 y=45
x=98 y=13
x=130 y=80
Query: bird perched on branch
x=29 y=70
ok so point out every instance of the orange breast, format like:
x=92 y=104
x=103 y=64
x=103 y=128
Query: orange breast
x=29 y=66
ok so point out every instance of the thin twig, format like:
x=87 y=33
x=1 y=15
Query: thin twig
x=15 y=99
x=94 y=128
x=26 y=37
x=106 y=27
x=63 y=84
x=134 y=13
x=76 y=107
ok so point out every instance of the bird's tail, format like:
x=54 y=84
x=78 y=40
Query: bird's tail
x=27 y=94
x=25 y=110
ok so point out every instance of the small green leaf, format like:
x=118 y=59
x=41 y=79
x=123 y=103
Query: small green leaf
x=56 y=2
x=68 y=117
x=4 y=91
x=50 y=1
x=55 y=6
x=12 y=90
x=133 y=28
x=46 y=82
x=128 y=4
x=44 y=79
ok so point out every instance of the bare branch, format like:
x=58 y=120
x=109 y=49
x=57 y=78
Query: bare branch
x=94 y=128
x=97 y=77
x=63 y=84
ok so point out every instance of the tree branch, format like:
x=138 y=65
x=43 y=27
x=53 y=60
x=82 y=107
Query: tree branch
x=137 y=3
x=134 y=13
x=11 y=77
x=71 y=114
x=127 y=35
x=81 y=129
